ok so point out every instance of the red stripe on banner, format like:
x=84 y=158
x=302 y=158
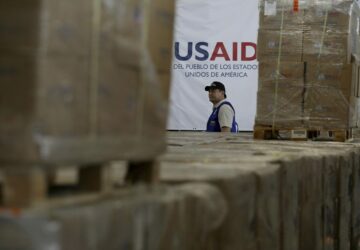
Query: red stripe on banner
x=296 y=5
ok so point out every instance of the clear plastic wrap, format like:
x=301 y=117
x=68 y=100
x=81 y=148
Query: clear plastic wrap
x=324 y=27
x=328 y=108
x=280 y=94
x=335 y=18
x=270 y=48
x=294 y=5
x=83 y=76
x=329 y=99
x=325 y=47
x=281 y=109
x=289 y=75
x=285 y=18
x=323 y=35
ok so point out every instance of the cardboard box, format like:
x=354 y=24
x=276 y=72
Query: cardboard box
x=288 y=74
x=338 y=76
x=151 y=27
x=282 y=107
x=329 y=100
x=160 y=34
x=337 y=18
x=124 y=31
x=46 y=27
x=326 y=47
x=112 y=96
x=291 y=20
x=61 y=97
x=165 y=81
x=326 y=108
x=55 y=109
x=269 y=45
x=57 y=102
x=18 y=20
x=18 y=81
x=68 y=28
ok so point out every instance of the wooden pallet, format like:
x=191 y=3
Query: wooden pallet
x=28 y=186
x=301 y=134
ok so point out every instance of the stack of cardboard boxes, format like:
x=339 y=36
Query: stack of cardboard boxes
x=84 y=76
x=306 y=64
x=281 y=80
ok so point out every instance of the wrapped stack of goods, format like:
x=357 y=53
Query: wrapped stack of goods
x=82 y=84
x=79 y=80
x=281 y=70
x=307 y=54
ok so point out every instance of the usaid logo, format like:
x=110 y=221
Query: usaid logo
x=201 y=51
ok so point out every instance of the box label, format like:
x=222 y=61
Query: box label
x=270 y=8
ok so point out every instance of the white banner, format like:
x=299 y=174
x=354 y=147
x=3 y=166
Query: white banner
x=213 y=41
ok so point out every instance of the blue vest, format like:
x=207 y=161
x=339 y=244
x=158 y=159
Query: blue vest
x=213 y=124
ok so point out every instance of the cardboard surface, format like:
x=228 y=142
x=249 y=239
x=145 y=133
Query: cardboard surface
x=269 y=47
x=83 y=74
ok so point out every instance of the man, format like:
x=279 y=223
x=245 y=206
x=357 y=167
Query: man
x=222 y=119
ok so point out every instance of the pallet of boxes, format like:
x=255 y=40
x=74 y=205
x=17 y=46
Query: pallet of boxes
x=84 y=83
x=308 y=70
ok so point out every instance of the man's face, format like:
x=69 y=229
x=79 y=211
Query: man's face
x=216 y=95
